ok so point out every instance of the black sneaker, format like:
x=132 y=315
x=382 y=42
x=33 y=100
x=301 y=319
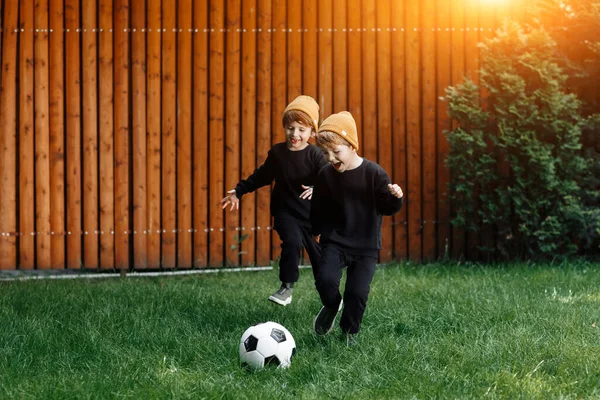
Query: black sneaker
x=283 y=296
x=325 y=319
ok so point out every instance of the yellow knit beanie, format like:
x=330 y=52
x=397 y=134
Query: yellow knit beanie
x=344 y=125
x=307 y=105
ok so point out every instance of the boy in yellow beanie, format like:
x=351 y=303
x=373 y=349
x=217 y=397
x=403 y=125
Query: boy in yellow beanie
x=293 y=165
x=350 y=197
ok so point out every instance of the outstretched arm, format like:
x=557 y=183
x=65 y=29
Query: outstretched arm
x=262 y=176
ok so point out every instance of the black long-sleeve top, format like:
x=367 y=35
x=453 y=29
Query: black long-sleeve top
x=290 y=170
x=347 y=207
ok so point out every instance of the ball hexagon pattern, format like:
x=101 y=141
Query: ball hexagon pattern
x=267 y=343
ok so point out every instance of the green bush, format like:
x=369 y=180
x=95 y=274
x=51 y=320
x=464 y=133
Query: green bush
x=575 y=26
x=517 y=160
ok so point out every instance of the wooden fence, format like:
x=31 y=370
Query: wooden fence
x=123 y=122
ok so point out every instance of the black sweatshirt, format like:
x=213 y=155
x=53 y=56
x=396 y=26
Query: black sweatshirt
x=347 y=207
x=290 y=170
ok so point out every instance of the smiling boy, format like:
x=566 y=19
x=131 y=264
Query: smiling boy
x=293 y=165
x=350 y=197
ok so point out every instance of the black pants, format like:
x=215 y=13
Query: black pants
x=294 y=236
x=358 y=284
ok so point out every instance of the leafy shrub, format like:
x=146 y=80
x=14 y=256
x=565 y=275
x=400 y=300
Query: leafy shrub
x=517 y=160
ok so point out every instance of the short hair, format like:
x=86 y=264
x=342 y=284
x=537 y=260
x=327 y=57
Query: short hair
x=297 y=116
x=328 y=140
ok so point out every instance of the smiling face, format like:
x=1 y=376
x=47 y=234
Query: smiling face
x=298 y=129
x=297 y=135
x=342 y=157
x=337 y=151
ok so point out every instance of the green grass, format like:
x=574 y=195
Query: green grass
x=433 y=331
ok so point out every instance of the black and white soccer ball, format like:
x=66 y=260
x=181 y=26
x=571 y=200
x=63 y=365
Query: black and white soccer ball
x=267 y=343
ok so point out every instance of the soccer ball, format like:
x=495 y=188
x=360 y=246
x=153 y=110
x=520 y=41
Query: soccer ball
x=267 y=343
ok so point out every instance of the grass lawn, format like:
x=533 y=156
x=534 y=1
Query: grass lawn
x=432 y=331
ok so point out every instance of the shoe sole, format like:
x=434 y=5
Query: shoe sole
x=332 y=323
x=280 y=302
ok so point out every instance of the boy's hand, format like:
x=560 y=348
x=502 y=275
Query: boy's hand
x=395 y=190
x=232 y=199
x=307 y=194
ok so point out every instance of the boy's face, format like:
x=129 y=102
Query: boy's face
x=342 y=157
x=297 y=136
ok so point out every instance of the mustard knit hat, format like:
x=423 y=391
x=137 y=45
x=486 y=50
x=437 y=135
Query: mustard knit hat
x=344 y=125
x=307 y=105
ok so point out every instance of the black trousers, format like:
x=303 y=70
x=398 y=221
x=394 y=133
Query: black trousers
x=294 y=236
x=358 y=284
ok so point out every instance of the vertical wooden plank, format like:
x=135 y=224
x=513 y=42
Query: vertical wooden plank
x=340 y=60
x=263 y=127
x=368 y=133
x=325 y=54
x=26 y=137
x=107 y=186
x=471 y=30
x=486 y=30
x=8 y=138
x=42 y=138
x=317 y=50
x=294 y=49
x=458 y=70
x=503 y=17
x=90 y=135
x=169 y=132
x=248 y=128
x=73 y=109
x=472 y=71
x=413 y=130
x=2 y=16
x=429 y=129
x=138 y=139
x=57 y=133
x=517 y=10
x=309 y=48
x=232 y=126
x=309 y=60
x=279 y=92
x=443 y=76
x=153 y=216
x=501 y=14
x=294 y=60
x=355 y=36
x=398 y=124
x=184 y=135
x=216 y=128
x=121 y=113
x=201 y=144
x=384 y=114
